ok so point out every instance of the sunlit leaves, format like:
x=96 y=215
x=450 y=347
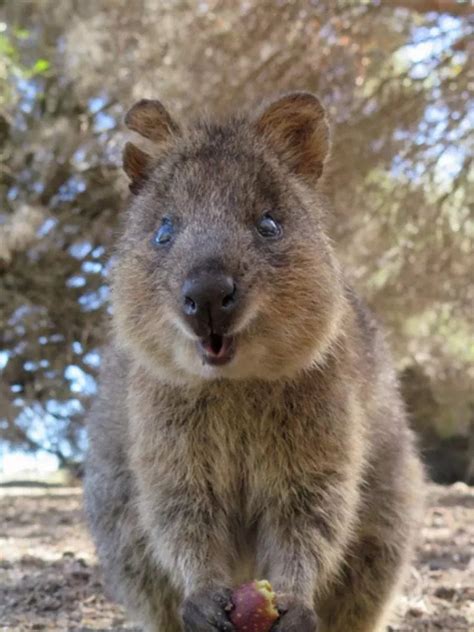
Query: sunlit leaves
x=40 y=66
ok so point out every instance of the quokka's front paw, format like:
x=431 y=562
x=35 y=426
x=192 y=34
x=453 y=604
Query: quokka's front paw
x=207 y=611
x=295 y=617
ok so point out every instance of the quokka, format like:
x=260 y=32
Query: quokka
x=249 y=422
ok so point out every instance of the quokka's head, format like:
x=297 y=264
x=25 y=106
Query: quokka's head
x=223 y=268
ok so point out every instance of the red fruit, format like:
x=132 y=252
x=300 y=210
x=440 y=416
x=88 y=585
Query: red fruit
x=254 y=607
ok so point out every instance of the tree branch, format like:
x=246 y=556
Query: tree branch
x=453 y=7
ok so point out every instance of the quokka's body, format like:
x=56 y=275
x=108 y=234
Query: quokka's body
x=249 y=423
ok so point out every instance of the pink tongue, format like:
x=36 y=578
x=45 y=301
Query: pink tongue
x=215 y=345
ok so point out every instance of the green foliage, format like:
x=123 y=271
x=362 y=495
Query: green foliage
x=40 y=67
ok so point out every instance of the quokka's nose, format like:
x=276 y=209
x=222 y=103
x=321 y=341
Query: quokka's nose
x=209 y=300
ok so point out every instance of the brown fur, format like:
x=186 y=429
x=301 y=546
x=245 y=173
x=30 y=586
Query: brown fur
x=294 y=461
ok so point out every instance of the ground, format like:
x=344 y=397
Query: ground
x=49 y=579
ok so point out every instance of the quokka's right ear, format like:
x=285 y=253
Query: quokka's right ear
x=296 y=127
x=149 y=119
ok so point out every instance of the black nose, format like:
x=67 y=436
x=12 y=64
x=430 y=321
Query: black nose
x=209 y=300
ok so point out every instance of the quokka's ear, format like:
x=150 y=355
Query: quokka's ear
x=296 y=128
x=149 y=119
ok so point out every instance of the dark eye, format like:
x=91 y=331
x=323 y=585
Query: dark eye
x=164 y=234
x=269 y=227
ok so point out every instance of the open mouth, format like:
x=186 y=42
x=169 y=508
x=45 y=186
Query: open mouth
x=216 y=350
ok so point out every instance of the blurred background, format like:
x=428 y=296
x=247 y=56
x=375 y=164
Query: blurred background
x=397 y=78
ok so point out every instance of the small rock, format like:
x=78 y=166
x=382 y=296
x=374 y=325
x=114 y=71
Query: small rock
x=50 y=604
x=418 y=609
x=32 y=560
x=460 y=486
x=6 y=565
x=443 y=592
x=82 y=574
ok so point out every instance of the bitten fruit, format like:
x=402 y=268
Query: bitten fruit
x=254 y=607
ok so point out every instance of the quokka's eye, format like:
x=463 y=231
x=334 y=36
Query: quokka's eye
x=164 y=234
x=268 y=227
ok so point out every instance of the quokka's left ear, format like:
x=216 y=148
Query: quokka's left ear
x=296 y=128
x=150 y=119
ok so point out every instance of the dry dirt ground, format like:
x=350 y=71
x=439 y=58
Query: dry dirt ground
x=49 y=579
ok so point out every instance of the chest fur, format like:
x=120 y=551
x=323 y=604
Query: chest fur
x=242 y=449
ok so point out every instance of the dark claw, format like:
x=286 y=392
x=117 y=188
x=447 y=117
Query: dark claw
x=206 y=611
x=296 y=617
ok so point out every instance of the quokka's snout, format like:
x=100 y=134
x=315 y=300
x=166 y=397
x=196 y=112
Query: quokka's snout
x=210 y=301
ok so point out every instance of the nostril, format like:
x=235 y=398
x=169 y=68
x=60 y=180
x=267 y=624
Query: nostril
x=229 y=299
x=190 y=306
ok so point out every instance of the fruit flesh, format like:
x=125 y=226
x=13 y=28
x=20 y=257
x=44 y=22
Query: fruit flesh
x=254 y=607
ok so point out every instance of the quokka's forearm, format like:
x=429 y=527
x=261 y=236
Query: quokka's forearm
x=304 y=544
x=190 y=542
